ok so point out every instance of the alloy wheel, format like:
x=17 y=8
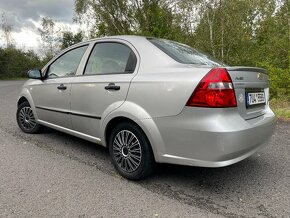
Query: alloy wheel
x=26 y=118
x=127 y=151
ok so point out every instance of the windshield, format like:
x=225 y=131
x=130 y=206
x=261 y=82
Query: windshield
x=184 y=53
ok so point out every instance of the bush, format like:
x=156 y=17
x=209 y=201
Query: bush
x=279 y=82
x=14 y=63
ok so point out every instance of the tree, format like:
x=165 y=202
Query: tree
x=273 y=37
x=22 y=62
x=142 y=17
x=69 y=38
x=49 y=37
x=6 y=29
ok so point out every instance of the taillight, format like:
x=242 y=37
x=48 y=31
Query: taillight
x=214 y=90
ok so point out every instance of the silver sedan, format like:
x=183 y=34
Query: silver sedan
x=150 y=100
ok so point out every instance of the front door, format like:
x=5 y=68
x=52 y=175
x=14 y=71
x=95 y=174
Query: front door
x=52 y=95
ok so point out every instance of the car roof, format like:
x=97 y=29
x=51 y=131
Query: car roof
x=133 y=39
x=125 y=37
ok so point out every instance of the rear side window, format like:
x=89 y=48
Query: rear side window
x=184 y=53
x=110 y=58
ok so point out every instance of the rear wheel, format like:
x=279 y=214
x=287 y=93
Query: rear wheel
x=131 y=152
x=26 y=120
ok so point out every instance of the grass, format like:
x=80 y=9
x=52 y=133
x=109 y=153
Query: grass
x=281 y=107
x=13 y=78
x=283 y=113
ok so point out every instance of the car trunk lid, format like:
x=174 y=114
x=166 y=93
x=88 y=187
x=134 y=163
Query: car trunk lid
x=252 y=90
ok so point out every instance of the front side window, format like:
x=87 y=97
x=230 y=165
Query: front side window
x=110 y=58
x=67 y=64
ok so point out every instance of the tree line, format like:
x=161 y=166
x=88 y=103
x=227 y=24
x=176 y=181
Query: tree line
x=238 y=32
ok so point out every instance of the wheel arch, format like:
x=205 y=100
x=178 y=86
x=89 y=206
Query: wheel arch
x=121 y=119
x=21 y=100
x=130 y=112
x=112 y=123
x=26 y=96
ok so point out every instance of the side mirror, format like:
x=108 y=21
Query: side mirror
x=34 y=74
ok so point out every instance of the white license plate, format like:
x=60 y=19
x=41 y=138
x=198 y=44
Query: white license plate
x=254 y=98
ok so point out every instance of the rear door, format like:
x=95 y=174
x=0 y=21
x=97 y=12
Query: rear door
x=103 y=86
x=252 y=90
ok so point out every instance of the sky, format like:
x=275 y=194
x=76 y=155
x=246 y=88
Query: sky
x=25 y=16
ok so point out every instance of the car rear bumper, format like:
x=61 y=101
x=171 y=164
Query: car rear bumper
x=201 y=137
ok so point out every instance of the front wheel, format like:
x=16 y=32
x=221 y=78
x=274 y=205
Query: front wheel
x=131 y=152
x=26 y=120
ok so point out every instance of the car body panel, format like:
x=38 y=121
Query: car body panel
x=86 y=112
x=71 y=132
x=204 y=137
x=25 y=93
x=249 y=80
x=89 y=100
x=54 y=107
x=165 y=91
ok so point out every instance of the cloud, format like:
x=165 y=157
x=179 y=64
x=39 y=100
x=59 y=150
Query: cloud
x=25 y=42
x=22 y=13
x=24 y=16
x=18 y=23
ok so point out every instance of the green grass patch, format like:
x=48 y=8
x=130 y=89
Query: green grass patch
x=13 y=78
x=281 y=107
x=283 y=113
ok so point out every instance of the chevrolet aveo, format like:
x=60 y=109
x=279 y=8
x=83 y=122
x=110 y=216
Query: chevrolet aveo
x=150 y=100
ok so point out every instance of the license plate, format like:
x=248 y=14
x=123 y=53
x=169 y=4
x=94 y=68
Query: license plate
x=254 y=98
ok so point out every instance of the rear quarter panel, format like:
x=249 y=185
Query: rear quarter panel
x=164 y=91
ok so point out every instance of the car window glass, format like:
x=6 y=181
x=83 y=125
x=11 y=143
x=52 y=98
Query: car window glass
x=67 y=64
x=109 y=58
x=184 y=53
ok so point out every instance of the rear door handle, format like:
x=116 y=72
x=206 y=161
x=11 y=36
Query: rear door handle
x=61 y=87
x=112 y=86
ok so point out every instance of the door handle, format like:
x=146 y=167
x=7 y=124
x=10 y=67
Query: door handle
x=112 y=86
x=61 y=87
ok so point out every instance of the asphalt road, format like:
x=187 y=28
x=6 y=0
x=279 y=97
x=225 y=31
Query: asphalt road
x=55 y=174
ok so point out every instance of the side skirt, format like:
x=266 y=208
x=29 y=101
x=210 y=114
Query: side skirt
x=72 y=132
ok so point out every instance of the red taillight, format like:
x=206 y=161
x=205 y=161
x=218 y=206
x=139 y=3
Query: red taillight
x=214 y=90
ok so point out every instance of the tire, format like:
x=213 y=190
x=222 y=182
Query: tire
x=26 y=120
x=133 y=159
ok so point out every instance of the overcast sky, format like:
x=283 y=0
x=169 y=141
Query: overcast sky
x=25 y=15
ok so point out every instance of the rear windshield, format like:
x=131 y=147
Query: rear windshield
x=184 y=53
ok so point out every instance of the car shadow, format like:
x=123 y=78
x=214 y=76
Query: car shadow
x=230 y=179
x=245 y=177
x=211 y=189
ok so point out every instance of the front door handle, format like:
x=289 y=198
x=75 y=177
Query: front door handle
x=61 y=87
x=112 y=86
